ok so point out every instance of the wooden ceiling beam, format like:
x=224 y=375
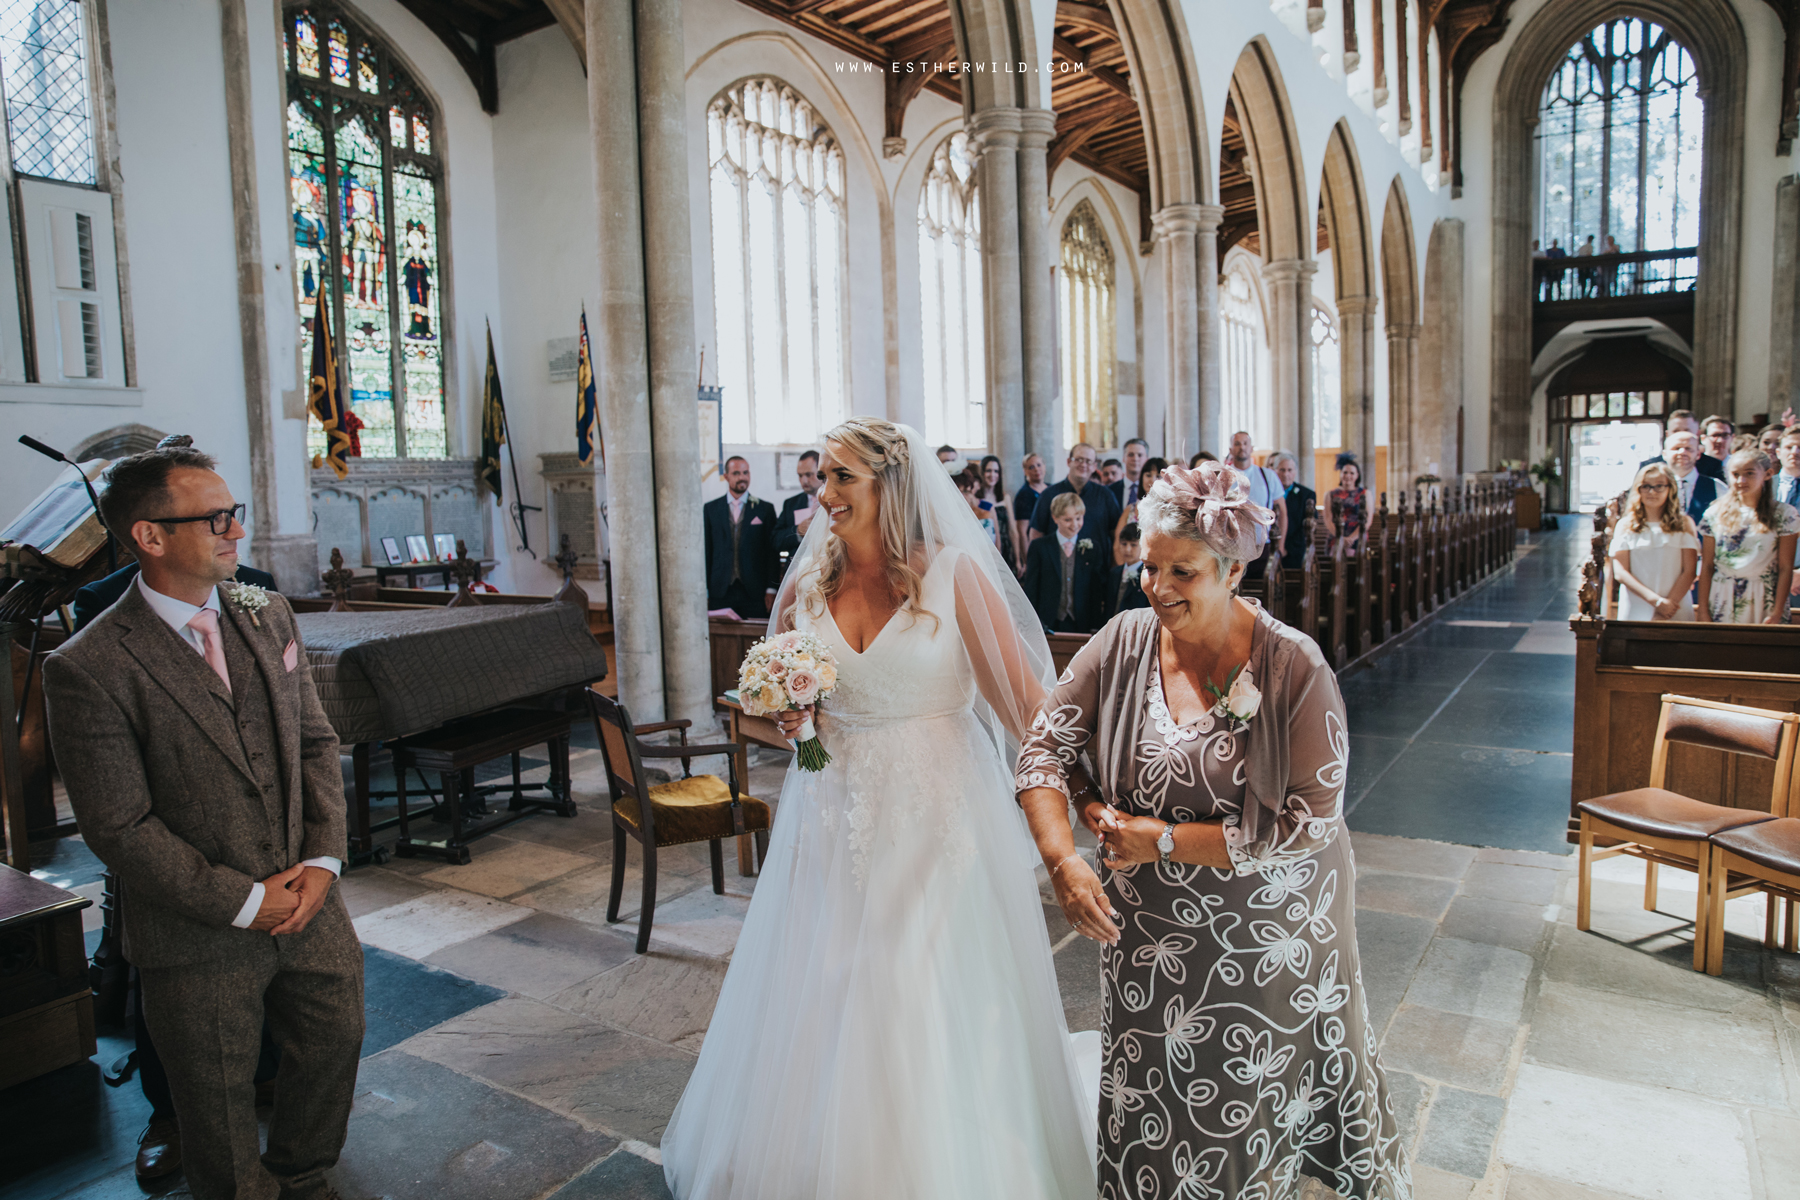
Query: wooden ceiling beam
x=477 y=62
x=902 y=88
x=925 y=46
x=1083 y=125
x=1084 y=16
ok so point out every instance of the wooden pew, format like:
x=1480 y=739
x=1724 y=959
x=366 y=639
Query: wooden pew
x=1420 y=582
x=1329 y=628
x=1267 y=591
x=1381 y=544
x=1300 y=585
x=1359 y=606
x=731 y=640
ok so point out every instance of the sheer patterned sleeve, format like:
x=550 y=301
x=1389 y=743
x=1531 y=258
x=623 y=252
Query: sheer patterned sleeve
x=1319 y=754
x=1064 y=725
x=1012 y=669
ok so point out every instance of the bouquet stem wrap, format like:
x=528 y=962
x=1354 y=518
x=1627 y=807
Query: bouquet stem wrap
x=809 y=749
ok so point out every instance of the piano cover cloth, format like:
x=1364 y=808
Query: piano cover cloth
x=385 y=675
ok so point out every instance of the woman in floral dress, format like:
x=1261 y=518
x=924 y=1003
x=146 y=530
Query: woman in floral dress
x=1747 y=548
x=1349 y=505
x=1238 y=1051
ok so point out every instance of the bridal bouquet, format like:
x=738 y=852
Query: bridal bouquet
x=787 y=672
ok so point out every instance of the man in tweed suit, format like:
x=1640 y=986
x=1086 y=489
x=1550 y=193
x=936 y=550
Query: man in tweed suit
x=204 y=773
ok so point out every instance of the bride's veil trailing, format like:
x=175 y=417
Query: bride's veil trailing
x=1004 y=636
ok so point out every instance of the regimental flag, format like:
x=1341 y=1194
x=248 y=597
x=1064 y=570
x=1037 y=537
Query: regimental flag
x=326 y=394
x=493 y=425
x=587 y=421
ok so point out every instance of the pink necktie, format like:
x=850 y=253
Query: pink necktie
x=206 y=624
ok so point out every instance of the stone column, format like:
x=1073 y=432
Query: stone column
x=1207 y=319
x=996 y=136
x=1404 y=444
x=620 y=356
x=674 y=368
x=1356 y=339
x=1784 y=305
x=1043 y=427
x=1290 y=356
x=1174 y=228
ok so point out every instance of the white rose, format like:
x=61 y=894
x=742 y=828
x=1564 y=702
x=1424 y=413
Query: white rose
x=802 y=687
x=1244 y=699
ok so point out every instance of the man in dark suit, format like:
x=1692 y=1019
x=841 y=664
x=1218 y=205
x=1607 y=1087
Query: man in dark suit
x=1682 y=420
x=1065 y=577
x=1697 y=492
x=797 y=511
x=1125 y=582
x=1101 y=508
x=1296 y=497
x=741 y=565
x=1136 y=453
x=204 y=774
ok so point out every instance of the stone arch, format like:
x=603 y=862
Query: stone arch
x=1400 y=306
x=1154 y=35
x=117 y=442
x=1344 y=211
x=1713 y=34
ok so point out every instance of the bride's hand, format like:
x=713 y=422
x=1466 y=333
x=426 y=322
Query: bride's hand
x=1083 y=901
x=791 y=722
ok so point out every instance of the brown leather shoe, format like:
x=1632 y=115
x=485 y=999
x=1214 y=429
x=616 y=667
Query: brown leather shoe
x=159 y=1149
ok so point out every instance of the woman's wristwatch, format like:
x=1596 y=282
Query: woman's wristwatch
x=1165 y=845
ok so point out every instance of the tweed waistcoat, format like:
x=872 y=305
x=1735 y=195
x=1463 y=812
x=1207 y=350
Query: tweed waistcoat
x=253 y=715
x=1065 y=607
x=737 y=536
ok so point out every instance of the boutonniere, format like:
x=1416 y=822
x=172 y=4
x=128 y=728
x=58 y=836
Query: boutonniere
x=250 y=600
x=1237 y=702
x=1084 y=545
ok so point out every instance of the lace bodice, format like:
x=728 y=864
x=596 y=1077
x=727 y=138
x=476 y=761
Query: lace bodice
x=917 y=665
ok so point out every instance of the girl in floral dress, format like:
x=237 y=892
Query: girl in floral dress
x=1747 y=548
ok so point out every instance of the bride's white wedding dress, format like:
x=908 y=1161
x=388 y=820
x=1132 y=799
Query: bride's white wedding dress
x=890 y=1024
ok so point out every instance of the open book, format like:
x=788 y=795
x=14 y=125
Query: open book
x=61 y=524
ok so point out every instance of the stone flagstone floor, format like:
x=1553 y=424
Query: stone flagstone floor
x=518 y=1048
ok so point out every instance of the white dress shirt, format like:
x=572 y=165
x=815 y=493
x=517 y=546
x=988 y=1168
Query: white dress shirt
x=177 y=614
x=1684 y=485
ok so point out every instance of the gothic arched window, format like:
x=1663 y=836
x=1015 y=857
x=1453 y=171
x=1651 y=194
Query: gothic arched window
x=780 y=256
x=1088 y=324
x=1245 y=359
x=1327 y=365
x=364 y=180
x=1619 y=140
x=950 y=309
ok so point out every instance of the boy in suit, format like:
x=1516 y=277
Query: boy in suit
x=1124 y=583
x=741 y=564
x=1064 y=576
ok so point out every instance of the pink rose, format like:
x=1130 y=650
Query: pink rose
x=802 y=687
x=777 y=669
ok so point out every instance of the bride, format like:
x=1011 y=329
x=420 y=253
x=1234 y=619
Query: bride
x=890 y=1025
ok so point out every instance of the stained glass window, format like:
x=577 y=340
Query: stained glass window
x=1085 y=290
x=363 y=189
x=43 y=50
x=950 y=306
x=780 y=253
x=1619 y=140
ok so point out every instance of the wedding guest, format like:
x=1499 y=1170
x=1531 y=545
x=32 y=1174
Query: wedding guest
x=1025 y=502
x=1102 y=511
x=968 y=482
x=948 y=454
x=1149 y=471
x=1682 y=420
x=1112 y=474
x=1787 y=486
x=1695 y=491
x=1348 y=514
x=1747 y=543
x=1769 y=440
x=1203 y=456
x=1655 y=552
x=1265 y=490
x=1127 y=491
x=1296 y=497
x=1237 y=1044
x=741 y=566
x=1715 y=437
x=797 y=512
x=992 y=496
x=227 y=847
x=1124 y=586
x=1064 y=577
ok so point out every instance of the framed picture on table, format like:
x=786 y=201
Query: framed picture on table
x=418 y=548
x=391 y=548
x=446 y=546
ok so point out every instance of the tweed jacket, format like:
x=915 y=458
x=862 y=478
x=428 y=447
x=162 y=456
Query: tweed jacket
x=163 y=792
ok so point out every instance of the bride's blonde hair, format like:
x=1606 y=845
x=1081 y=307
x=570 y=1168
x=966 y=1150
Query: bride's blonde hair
x=881 y=447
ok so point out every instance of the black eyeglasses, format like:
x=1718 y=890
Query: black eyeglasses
x=219 y=522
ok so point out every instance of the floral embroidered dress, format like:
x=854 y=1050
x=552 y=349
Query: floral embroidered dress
x=1746 y=568
x=1348 y=512
x=1238 y=1050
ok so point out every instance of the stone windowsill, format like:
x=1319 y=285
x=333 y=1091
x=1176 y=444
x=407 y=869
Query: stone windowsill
x=71 y=393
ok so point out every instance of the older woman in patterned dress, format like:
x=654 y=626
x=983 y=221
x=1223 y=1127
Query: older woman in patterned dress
x=1238 y=1051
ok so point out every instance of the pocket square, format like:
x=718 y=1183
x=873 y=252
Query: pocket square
x=756 y=520
x=290 y=657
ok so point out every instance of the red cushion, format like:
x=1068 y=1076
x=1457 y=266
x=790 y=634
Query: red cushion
x=1773 y=844
x=1657 y=812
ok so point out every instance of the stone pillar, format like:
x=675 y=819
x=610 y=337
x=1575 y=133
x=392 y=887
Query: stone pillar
x=1174 y=228
x=1356 y=338
x=996 y=136
x=1207 y=320
x=1404 y=464
x=1784 y=306
x=620 y=356
x=1438 y=368
x=1290 y=356
x=1043 y=426
x=674 y=368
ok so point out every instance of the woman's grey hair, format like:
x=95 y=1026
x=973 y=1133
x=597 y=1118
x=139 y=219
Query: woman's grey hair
x=1210 y=505
x=1274 y=461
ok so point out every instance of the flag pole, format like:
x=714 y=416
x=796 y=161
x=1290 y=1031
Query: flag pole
x=518 y=506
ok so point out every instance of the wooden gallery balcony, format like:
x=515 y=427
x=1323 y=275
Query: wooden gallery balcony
x=1653 y=284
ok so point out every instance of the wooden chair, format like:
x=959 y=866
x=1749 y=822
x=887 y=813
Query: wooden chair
x=1665 y=828
x=694 y=808
x=1765 y=858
